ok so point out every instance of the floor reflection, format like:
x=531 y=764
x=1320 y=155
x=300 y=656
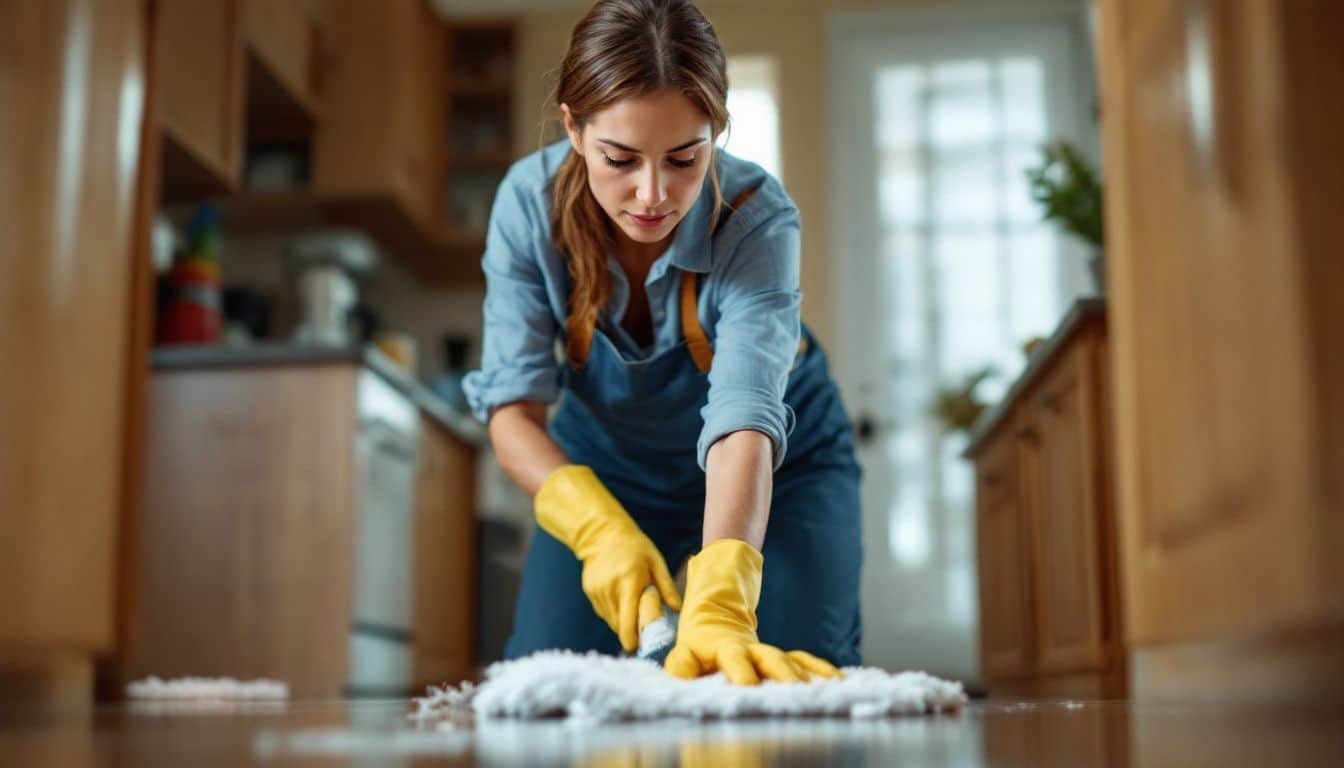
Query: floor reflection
x=381 y=735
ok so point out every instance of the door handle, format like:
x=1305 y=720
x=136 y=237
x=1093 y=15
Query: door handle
x=867 y=426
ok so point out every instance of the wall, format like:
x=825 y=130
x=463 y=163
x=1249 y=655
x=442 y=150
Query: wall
x=402 y=302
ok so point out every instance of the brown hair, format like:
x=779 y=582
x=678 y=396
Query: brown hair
x=626 y=49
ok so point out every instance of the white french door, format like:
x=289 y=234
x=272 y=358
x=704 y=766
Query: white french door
x=944 y=267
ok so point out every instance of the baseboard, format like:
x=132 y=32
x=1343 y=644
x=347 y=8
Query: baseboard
x=1301 y=664
x=55 y=680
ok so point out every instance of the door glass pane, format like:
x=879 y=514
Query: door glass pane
x=972 y=273
x=959 y=104
x=1022 y=79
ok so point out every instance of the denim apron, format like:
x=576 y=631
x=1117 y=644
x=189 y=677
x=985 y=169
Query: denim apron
x=636 y=424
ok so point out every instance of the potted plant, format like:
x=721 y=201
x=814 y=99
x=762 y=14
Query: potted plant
x=957 y=406
x=1069 y=192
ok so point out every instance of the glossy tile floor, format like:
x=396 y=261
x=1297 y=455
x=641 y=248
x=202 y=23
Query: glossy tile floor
x=374 y=734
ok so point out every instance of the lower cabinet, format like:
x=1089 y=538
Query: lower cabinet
x=1046 y=533
x=445 y=558
x=266 y=545
x=1005 y=578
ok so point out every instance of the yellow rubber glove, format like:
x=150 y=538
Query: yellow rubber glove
x=717 y=630
x=619 y=561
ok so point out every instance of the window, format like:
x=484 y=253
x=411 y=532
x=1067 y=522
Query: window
x=753 y=107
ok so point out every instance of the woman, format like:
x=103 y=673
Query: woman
x=695 y=407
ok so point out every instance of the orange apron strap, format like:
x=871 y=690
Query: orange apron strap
x=737 y=203
x=696 y=340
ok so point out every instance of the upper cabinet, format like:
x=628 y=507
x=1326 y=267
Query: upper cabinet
x=305 y=113
x=284 y=58
x=199 y=75
x=480 y=130
x=230 y=72
x=384 y=108
x=284 y=48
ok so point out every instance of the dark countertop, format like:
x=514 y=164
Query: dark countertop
x=1082 y=309
x=196 y=356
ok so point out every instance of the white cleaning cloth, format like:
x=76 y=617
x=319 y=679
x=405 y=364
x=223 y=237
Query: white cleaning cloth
x=593 y=686
x=207 y=688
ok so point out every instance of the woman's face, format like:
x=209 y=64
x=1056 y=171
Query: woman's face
x=647 y=158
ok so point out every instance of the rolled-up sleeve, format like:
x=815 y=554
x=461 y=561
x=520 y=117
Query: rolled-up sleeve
x=518 y=360
x=756 y=337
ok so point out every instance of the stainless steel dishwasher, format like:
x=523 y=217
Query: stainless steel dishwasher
x=380 y=636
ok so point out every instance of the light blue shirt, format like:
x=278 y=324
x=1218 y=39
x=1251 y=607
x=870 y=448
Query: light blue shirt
x=748 y=303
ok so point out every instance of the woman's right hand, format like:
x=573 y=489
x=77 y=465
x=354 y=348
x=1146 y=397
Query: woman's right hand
x=619 y=561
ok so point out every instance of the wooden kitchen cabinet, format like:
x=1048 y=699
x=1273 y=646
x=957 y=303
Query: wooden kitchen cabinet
x=1063 y=461
x=281 y=522
x=199 y=79
x=1049 y=608
x=445 y=558
x=286 y=37
x=379 y=152
x=73 y=248
x=1004 y=569
x=359 y=89
x=245 y=539
x=1224 y=180
x=231 y=72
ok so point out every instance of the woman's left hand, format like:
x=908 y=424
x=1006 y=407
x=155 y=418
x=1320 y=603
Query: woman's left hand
x=717 y=628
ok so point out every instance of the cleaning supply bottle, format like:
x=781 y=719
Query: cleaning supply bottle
x=192 y=313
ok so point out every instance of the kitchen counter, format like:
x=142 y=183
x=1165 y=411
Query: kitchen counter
x=461 y=425
x=1082 y=309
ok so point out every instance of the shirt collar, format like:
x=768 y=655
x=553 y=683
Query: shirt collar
x=690 y=248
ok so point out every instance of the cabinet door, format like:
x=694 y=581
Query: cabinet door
x=70 y=251
x=1060 y=471
x=1005 y=608
x=353 y=155
x=283 y=34
x=246 y=532
x=1228 y=526
x=383 y=107
x=445 y=558
x=419 y=106
x=199 y=71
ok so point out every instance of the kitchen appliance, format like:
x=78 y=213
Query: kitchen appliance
x=326 y=266
x=380 y=651
x=247 y=313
